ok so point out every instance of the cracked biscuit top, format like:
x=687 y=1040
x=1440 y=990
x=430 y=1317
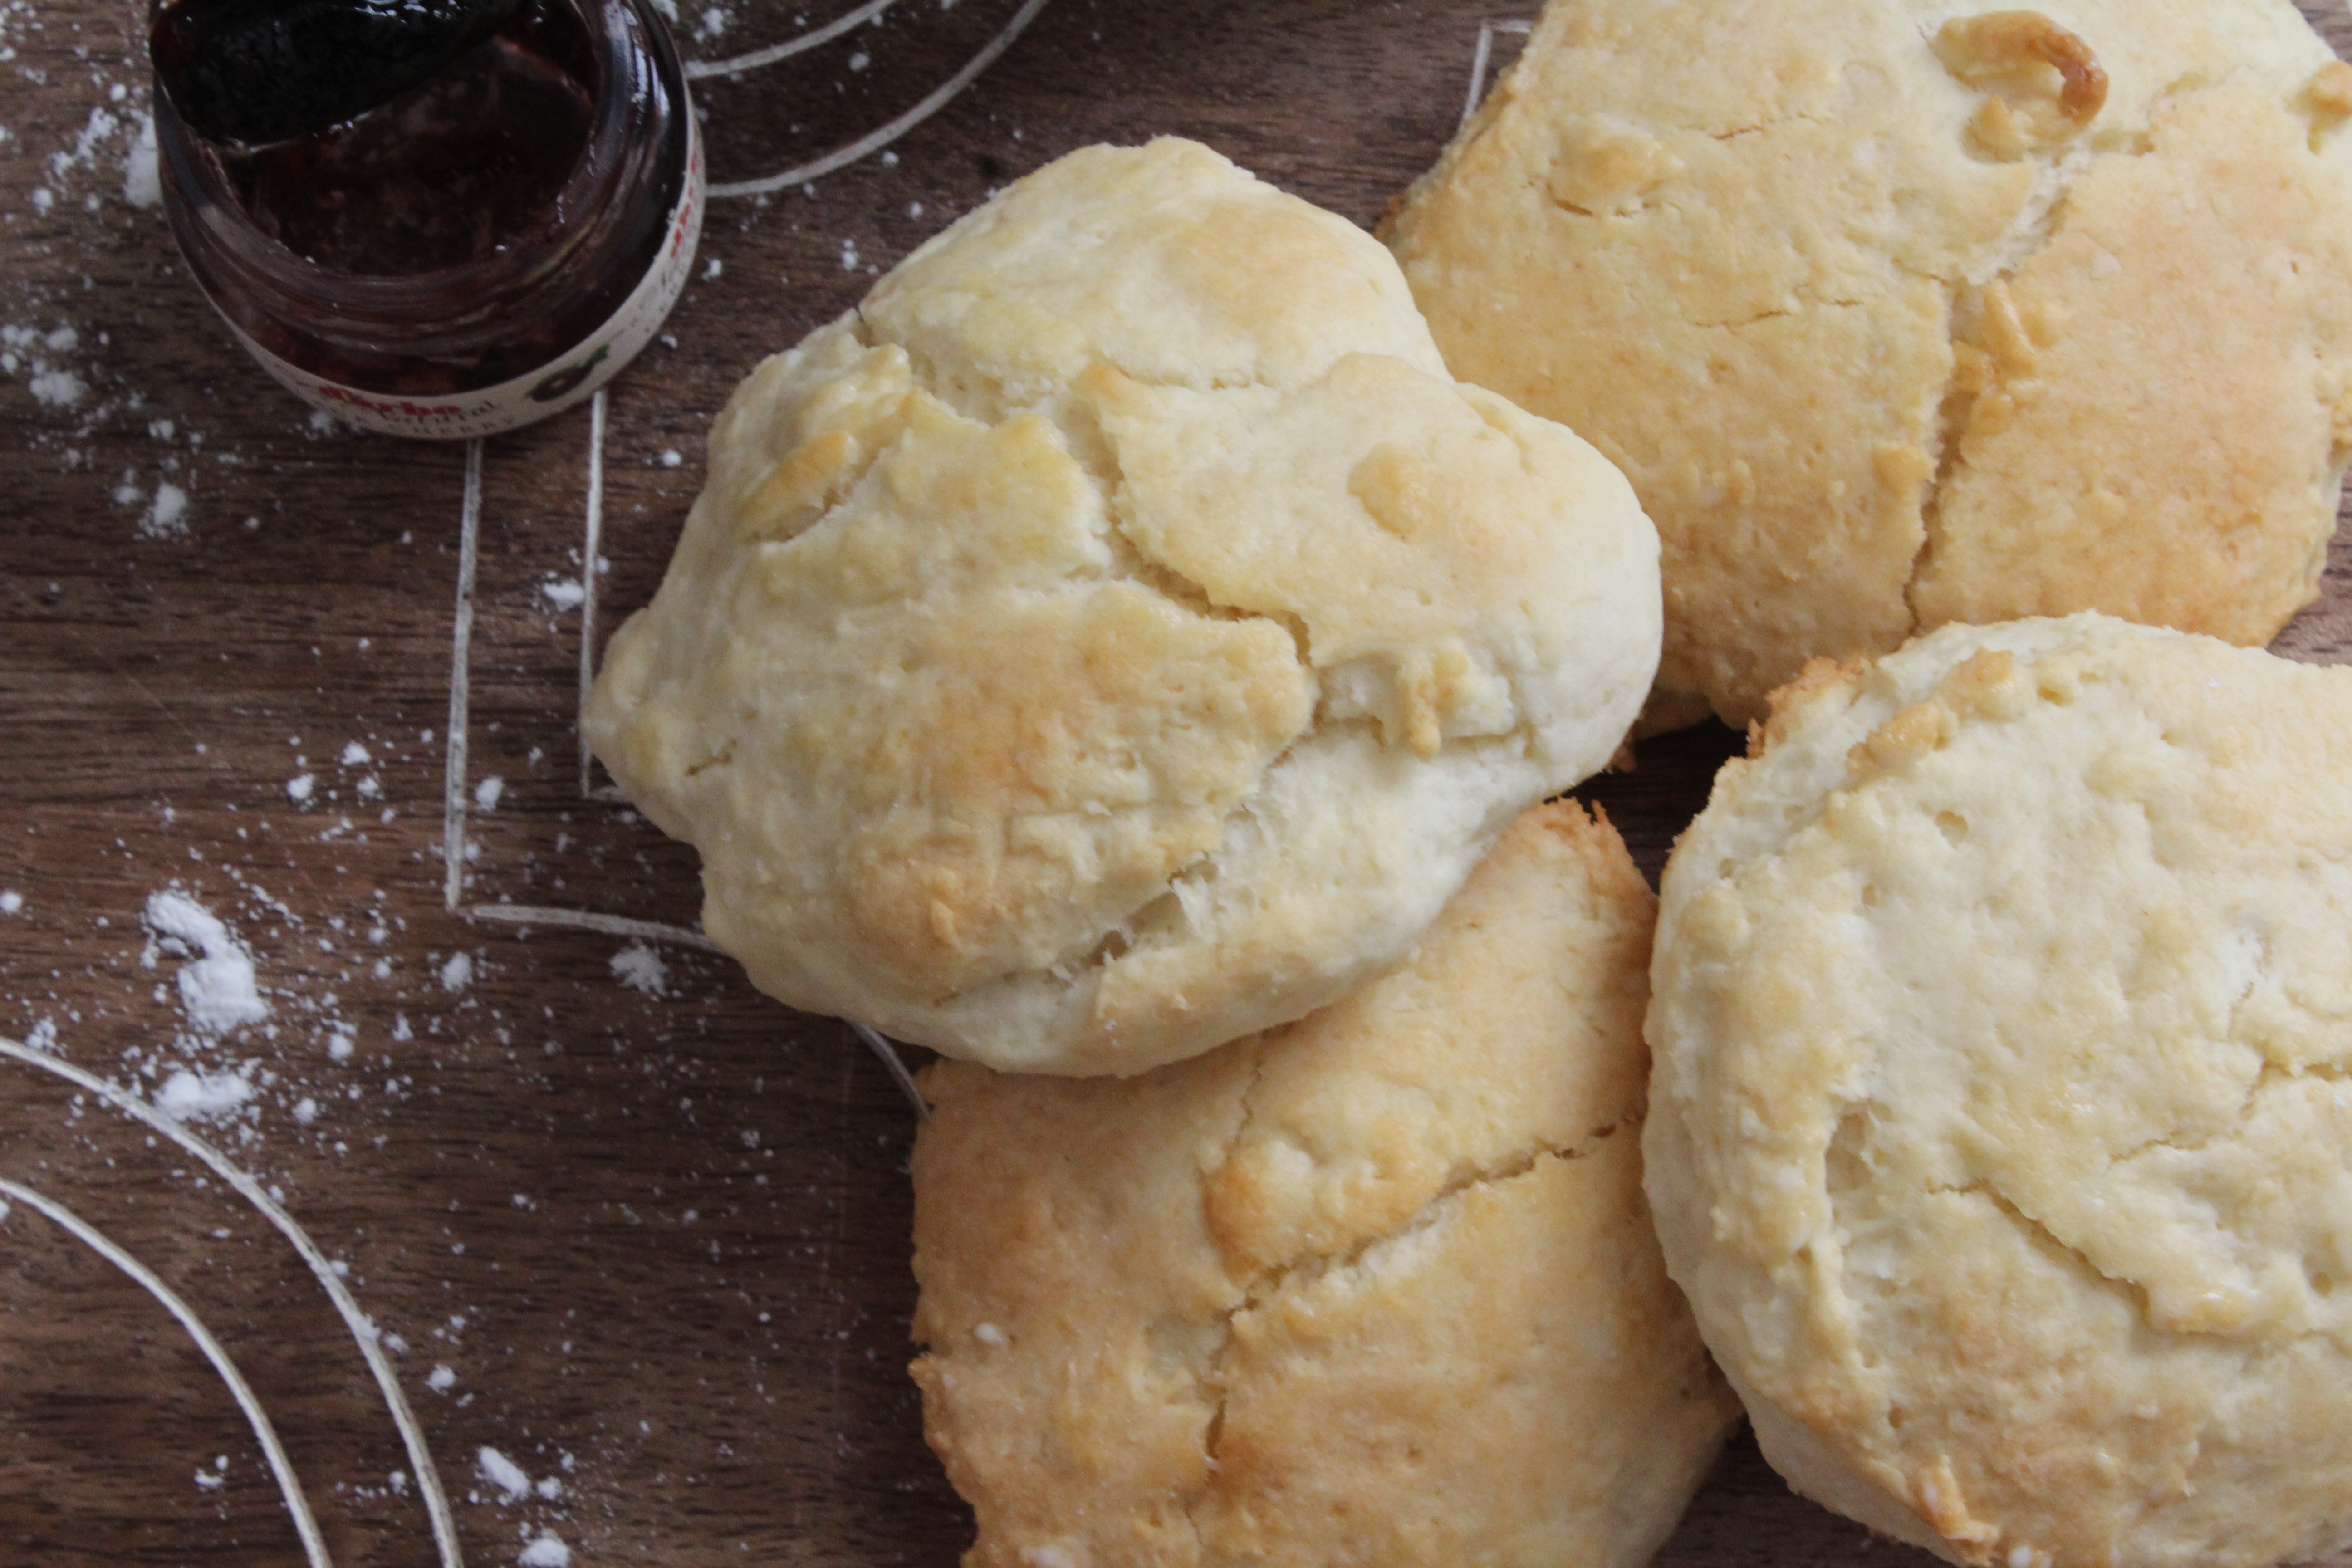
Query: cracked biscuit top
x=1375 y=1289
x=1999 y=1127
x=1898 y=313
x=1120 y=634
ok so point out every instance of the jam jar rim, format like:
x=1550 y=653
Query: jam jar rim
x=630 y=70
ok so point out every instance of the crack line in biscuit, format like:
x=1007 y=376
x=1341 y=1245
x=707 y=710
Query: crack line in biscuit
x=1769 y=123
x=2066 y=165
x=2038 y=223
x=2143 y=1304
x=1207 y=1381
x=1098 y=457
x=1953 y=411
x=1313 y=1266
x=2270 y=1073
x=1268 y=1283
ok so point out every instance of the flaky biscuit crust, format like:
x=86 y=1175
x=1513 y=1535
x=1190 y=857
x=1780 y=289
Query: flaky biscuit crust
x=1376 y=1289
x=1999 y=1125
x=1906 y=313
x=1120 y=634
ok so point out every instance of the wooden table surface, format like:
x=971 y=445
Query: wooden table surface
x=608 y=1223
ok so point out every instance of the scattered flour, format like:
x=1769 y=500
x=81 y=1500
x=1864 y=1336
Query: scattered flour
x=11 y=903
x=167 y=518
x=640 y=968
x=504 y=1473
x=188 y=1096
x=217 y=991
x=459 y=972
x=565 y=593
x=102 y=124
x=142 y=185
x=547 y=1551
x=28 y=349
x=440 y=1381
x=58 y=388
x=355 y=755
x=487 y=793
x=298 y=787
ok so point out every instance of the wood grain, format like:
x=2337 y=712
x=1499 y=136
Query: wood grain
x=657 y=1240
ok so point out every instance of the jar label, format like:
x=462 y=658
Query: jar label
x=568 y=378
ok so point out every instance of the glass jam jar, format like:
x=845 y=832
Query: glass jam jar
x=480 y=252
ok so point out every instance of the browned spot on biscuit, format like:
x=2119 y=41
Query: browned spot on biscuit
x=1917 y=730
x=1603 y=168
x=1988 y=686
x=801 y=488
x=2329 y=98
x=1393 y=483
x=2019 y=56
x=2006 y=333
x=1819 y=676
x=1942 y=1504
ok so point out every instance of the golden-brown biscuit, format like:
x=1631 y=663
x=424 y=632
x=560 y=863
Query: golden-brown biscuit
x=1898 y=312
x=1374 y=1289
x=1999 y=1129
x=1119 y=633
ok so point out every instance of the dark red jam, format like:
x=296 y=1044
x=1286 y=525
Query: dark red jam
x=472 y=161
x=492 y=235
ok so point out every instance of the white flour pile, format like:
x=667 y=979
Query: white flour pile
x=640 y=968
x=188 y=1096
x=217 y=991
x=546 y=1552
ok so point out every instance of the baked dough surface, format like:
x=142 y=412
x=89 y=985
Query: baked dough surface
x=1120 y=634
x=1999 y=1129
x=1892 y=321
x=1374 y=1289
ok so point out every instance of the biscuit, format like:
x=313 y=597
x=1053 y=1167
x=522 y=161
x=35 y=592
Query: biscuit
x=1118 y=634
x=1998 y=1129
x=1897 y=313
x=1377 y=1288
